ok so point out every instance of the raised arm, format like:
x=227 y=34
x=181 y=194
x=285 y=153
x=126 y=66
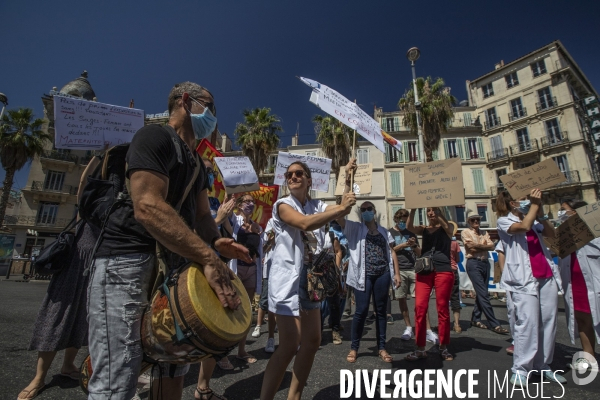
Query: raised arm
x=525 y=225
x=311 y=222
x=417 y=230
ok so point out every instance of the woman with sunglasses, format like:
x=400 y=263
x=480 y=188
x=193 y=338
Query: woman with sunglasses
x=532 y=283
x=437 y=242
x=298 y=318
x=373 y=266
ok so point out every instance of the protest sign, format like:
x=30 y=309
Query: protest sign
x=88 y=125
x=434 y=184
x=237 y=174
x=571 y=235
x=362 y=180
x=207 y=151
x=320 y=168
x=590 y=214
x=346 y=111
x=542 y=175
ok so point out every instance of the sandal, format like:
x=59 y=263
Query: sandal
x=351 y=357
x=416 y=355
x=208 y=392
x=457 y=329
x=30 y=394
x=225 y=364
x=446 y=356
x=479 y=325
x=75 y=375
x=385 y=356
x=250 y=359
x=500 y=330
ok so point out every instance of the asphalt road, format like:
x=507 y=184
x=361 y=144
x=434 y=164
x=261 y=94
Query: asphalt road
x=474 y=349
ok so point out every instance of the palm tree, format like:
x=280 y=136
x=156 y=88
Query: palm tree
x=258 y=136
x=335 y=139
x=21 y=139
x=436 y=111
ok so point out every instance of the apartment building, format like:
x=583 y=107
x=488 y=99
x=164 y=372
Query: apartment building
x=532 y=109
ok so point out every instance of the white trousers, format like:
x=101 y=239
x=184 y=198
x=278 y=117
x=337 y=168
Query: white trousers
x=534 y=329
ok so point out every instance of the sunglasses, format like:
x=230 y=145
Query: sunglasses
x=299 y=174
x=366 y=209
x=211 y=106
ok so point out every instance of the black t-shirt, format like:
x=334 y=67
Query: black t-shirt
x=441 y=242
x=153 y=149
x=406 y=258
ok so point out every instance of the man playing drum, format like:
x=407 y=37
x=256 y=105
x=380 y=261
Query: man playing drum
x=161 y=163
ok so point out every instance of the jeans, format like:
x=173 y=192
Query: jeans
x=377 y=288
x=332 y=307
x=455 y=295
x=479 y=274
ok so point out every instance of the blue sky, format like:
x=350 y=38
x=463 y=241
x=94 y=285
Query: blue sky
x=249 y=52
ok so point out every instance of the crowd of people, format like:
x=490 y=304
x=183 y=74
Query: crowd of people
x=103 y=309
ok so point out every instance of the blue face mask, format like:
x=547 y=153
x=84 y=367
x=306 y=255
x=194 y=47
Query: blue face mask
x=203 y=124
x=368 y=216
x=524 y=206
x=402 y=225
x=211 y=180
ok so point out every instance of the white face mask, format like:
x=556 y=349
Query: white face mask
x=562 y=215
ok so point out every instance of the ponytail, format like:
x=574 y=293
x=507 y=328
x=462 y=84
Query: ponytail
x=503 y=206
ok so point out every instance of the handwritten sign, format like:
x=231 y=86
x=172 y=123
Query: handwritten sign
x=542 y=175
x=590 y=214
x=571 y=235
x=237 y=173
x=89 y=125
x=363 y=178
x=434 y=184
x=320 y=168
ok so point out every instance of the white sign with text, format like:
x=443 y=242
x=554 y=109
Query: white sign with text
x=320 y=168
x=238 y=174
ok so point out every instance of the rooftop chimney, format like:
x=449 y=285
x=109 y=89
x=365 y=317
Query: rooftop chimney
x=499 y=65
x=295 y=140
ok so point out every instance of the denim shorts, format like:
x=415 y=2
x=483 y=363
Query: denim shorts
x=263 y=303
x=305 y=303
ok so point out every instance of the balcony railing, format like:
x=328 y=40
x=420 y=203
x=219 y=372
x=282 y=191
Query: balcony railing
x=513 y=116
x=33 y=221
x=523 y=148
x=561 y=139
x=55 y=155
x=550 y=103
x=572 y=177
x=497 y=155
x=39 y=186
x=491 y=123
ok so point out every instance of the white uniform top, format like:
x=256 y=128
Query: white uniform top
x=267 y=257
x=288 y=258
x=356 y=233
x=236 y=223
x=589 y=262
x=517 y=275
x=499 y=247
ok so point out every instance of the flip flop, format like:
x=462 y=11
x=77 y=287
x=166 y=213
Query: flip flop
x=249 y=359
x=30 y=394
x=225 y=364
x=75 y=375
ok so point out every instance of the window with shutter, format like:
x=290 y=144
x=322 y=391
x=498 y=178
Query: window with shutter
x=396 y=124
x=362 y=156
x=478 y=183
x=473 y=152
x=446 y=152
x=480 y=147
x=467 y=119
x=395 y=183
x=459 y=145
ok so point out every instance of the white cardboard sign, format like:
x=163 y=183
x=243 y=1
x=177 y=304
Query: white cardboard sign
x=320 y=169
x=238 y=174
x=88 y=125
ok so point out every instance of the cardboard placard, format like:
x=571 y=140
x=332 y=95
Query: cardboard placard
x=542 y=175
x=434 y=184
x=89 y=125
x=363 y=178
x=237 y=173
x=320 y=168
x=571 y=235
x=590 y=214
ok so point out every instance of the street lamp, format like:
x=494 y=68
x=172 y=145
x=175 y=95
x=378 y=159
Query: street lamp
x=413 y=55
x=4 y=101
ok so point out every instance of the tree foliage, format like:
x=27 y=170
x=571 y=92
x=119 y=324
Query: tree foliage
x=335 y=139
x=258 y=136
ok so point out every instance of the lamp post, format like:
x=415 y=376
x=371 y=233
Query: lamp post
x=4 y=101
x=413 y=55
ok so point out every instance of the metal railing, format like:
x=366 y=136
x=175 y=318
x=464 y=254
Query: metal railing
x=550 y=103
x=33 y=221
x=561 y=139
x=39 y=186
x=491 y=123
x=55 y=155
x=497 y=155
x=519 y=114
x=522 y=148
x=572 y=177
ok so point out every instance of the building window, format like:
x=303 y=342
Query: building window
x=553 y=131
x=475 y=147
x=391 y=124
x=491 y=118
x=562 y=163
x=482 y=211
x=420 y=217
x=47 y=213
x=467 y=120
x=488 y=90
x=54 y=181
x=497 y=149
x=499 y=173
x=512 y=80
x=478 y=183
x=523 y=140
x=526 y=164
x=516 y=109
x=460 y=215
x=396 y=183
x=451 y=148
x=538 y=68
x=412 y=152
x=392 y=154
x=546 y=100
x=362 y=156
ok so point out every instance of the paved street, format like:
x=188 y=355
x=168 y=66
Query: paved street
x=474 y=349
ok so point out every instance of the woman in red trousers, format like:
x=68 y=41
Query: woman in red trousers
x=437 y=239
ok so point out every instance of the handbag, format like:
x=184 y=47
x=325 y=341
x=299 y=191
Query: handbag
x=322 y=274
x=424 y=264
x=54 y=257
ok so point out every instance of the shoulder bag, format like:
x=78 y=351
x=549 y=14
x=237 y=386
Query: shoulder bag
x=54 y=257
x=322 y=274
x=424 y=264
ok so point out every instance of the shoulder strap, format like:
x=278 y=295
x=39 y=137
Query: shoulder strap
x=190 y=184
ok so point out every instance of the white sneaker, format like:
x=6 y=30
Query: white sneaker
x=256 y=332
x=270 y=347
x=408 y=334
x=582 y=365
x=432 y=337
